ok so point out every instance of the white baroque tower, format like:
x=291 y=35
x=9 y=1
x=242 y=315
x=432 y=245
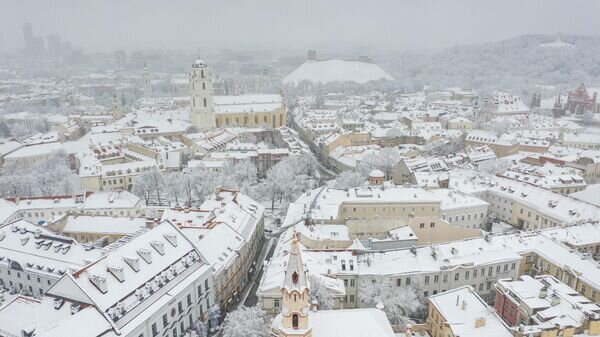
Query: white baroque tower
x=147 y=85
x=116 y=108
x=295 y=312
x=202 y=112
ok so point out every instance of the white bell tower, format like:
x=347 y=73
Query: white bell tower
x=202 y=112
x=147 y=86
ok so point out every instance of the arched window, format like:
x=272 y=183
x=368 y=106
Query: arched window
x=295 y=277
x=203 y=86
x=256 y=120
x=295 y=321
x=202 y=73
x=265 y=120
x=295 y=298
x=237 y=120
x=226 y=121
x=205 y=102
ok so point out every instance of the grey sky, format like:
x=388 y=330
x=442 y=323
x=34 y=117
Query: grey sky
x=107 y=25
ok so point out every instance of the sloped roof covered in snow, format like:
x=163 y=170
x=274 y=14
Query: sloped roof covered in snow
x=337 y=70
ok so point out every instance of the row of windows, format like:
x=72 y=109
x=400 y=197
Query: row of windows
x=246 y=120
x=462 y=218
x=383 y=209
x=180 y=310
x=18 y=274
x=467 y=274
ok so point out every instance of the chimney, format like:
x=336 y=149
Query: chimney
x=314 y=306
x=408 y=332
x=543 y=292
x=17 y=200
x=479 y=322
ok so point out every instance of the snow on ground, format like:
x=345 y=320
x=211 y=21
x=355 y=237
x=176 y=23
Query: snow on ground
x=337 y=70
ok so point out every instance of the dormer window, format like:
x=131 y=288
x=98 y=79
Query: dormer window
x=295 y=277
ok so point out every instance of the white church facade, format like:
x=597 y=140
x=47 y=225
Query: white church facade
x=208 y=111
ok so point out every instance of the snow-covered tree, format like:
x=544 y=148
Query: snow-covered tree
x=348 y=179
x=320 y=294
x=246 y=322
x=399 y=303
x=150 y=185
x=493 y=166
x=199 y=328
x=44 y=178
x=214 y=315
x=384 y=160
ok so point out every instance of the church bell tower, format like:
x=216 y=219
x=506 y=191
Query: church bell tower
x=295 y=297
x=202 y=112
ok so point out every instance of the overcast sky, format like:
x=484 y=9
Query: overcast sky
x=107 y=25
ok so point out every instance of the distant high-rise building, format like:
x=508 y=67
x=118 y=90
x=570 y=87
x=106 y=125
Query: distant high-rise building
x=34 y=46
x=27 y=34
x=54 y=44
x=120 y=59
x=311 y=55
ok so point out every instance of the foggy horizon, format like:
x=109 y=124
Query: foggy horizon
x=275 y=25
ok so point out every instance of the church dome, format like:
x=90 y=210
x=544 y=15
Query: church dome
x=376 y=174
x=199 y=64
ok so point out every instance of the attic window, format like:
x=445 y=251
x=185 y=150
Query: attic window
x=295 y=277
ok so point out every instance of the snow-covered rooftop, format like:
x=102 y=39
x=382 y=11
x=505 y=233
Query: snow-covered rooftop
x=337 y=70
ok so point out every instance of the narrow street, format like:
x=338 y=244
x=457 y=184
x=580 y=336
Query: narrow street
x=249 y=293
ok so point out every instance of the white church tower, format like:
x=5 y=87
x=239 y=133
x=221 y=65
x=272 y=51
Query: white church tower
x=147 y=82
x=202 y=112
x=116 y=108
x=295 y=320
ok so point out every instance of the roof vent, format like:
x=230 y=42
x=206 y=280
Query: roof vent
x=75 y=308
x=145 y=254
x=159 y=246
x=133 y=262
x=99 y=282
x=172 y=238
x=117 y=272
x=58 y=303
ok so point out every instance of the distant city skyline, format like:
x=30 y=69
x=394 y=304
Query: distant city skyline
x=384 y=25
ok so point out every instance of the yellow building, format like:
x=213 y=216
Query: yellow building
x=254 y=110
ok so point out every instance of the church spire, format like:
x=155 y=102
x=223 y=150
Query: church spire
x=295 y=275
x=295 y=295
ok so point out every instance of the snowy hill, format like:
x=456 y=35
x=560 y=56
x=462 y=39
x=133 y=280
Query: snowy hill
x=336 y=70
